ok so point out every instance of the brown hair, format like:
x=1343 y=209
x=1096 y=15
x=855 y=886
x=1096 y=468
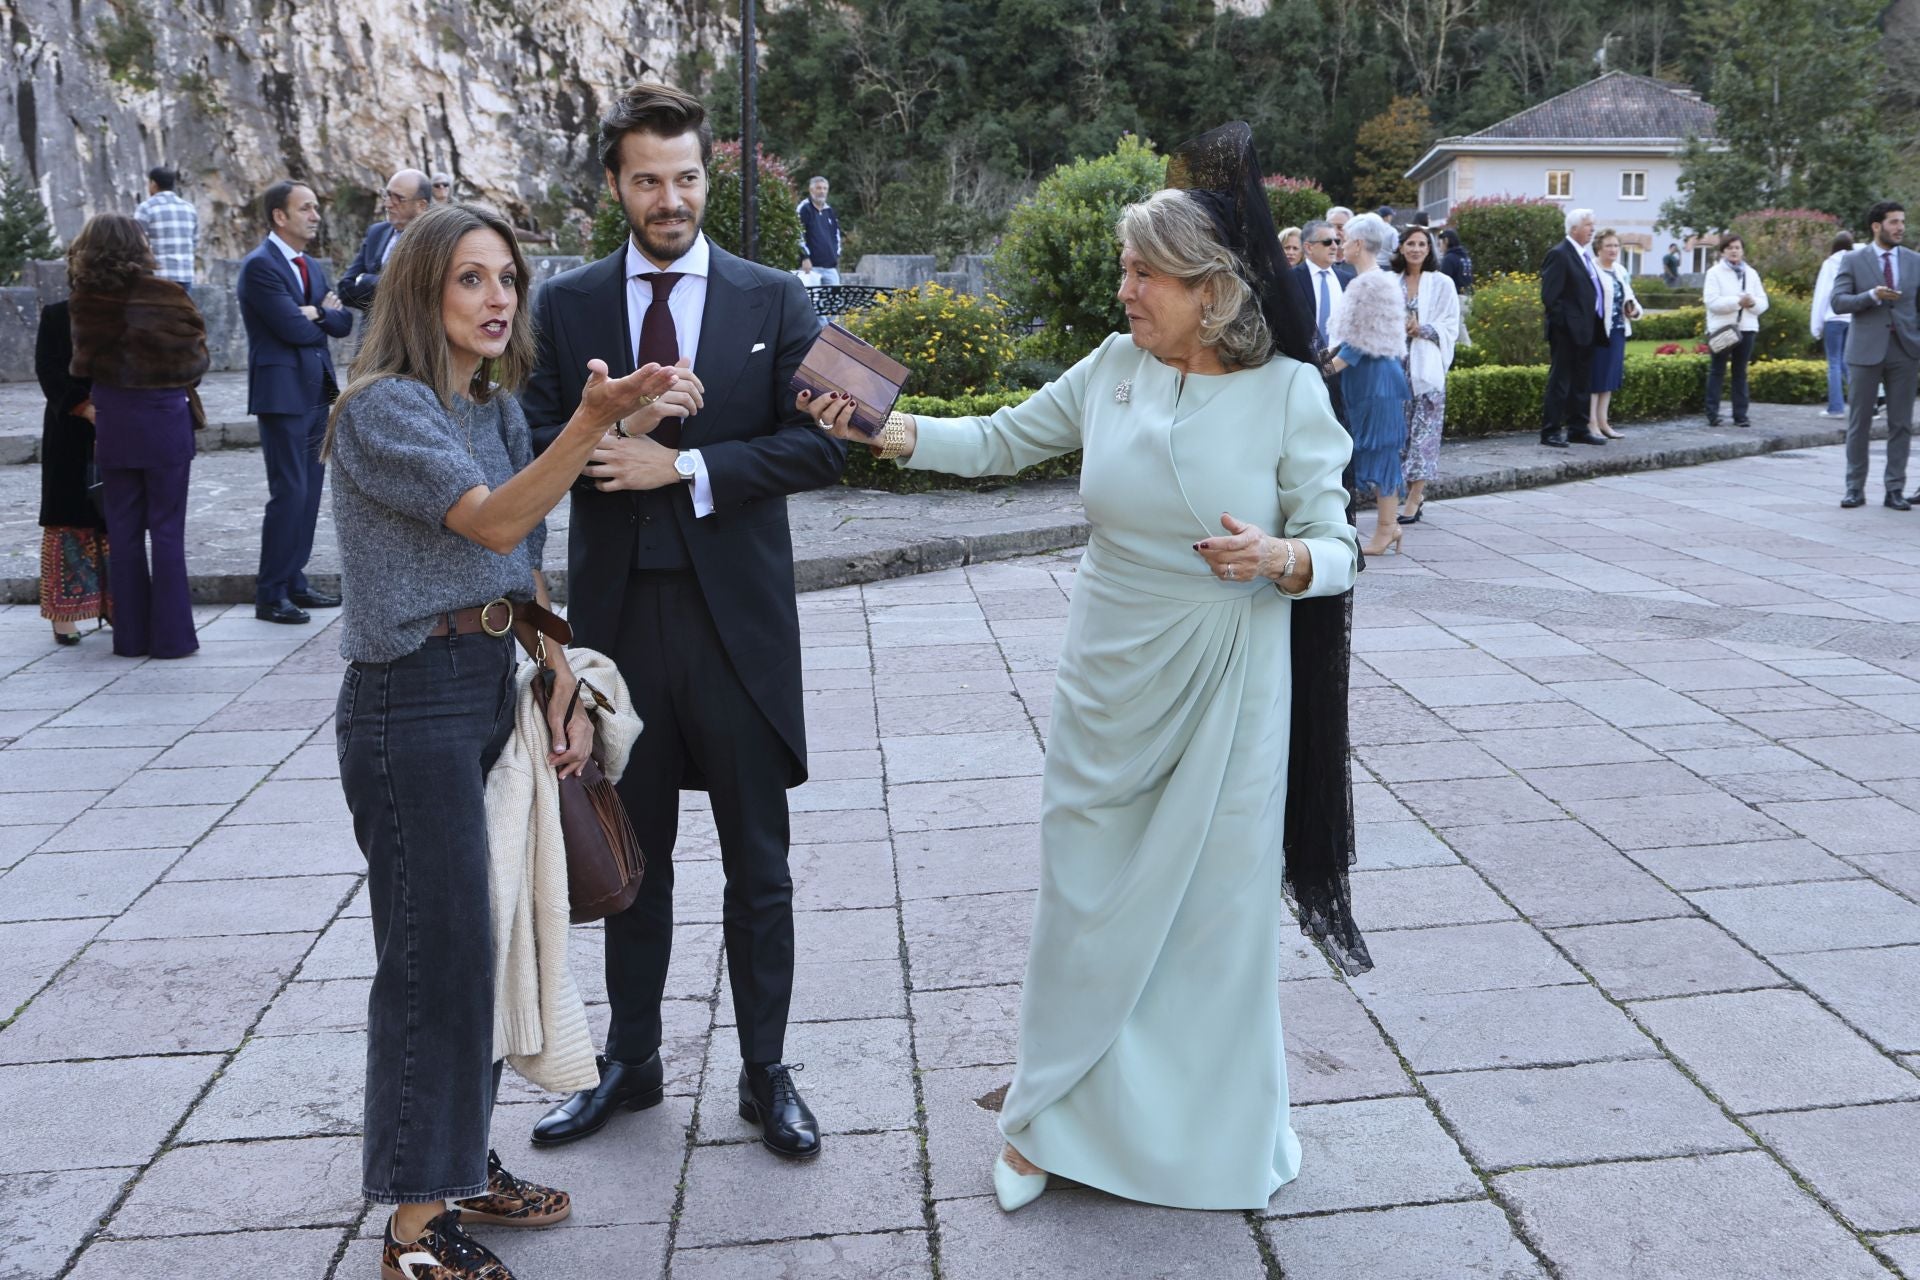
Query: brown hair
x=1399 y=262
x=405 y=335
x=109 y=254
x=1600 y=237
x=658 y=109
x=1729 y=240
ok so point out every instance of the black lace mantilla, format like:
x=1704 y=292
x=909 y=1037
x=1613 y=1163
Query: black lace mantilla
x=1222 y=172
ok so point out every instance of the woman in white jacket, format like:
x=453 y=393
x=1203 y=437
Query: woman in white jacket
x=1830 y=327
x=1433 y=327
x=1610 y=362
x=1734 y=296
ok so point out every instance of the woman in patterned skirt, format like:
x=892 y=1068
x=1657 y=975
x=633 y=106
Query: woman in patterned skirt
x=73 y=539
x=1433 y=326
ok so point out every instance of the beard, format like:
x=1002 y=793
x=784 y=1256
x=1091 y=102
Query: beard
x=656 y=243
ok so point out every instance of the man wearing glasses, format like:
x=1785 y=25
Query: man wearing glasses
x=1318 y=281
x=443 y=188
x=409 y=194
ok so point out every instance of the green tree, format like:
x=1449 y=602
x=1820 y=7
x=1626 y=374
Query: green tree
x=1798 y=124
x=1384 y=148
x=26 y=234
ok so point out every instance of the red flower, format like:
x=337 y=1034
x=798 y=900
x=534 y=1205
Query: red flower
x=1667 y=349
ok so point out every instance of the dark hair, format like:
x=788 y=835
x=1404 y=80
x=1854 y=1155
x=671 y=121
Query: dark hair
x=658 y=109
x=1878 y=214
x=1729 y=240
x=164 y=178
x=1398 y=263
x=1420 y=218
x=275 y=197
x=1842 y=242
x=1451 y=238
x=109 y=254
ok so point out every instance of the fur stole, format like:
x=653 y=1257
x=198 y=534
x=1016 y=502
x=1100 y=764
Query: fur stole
x=1372 y=316
x=149 y=336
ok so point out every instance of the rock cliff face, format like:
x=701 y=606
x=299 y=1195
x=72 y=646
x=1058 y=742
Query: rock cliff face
x=504 y=94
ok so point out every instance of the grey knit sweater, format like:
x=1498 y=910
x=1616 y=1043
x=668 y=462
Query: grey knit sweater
x=400 y=462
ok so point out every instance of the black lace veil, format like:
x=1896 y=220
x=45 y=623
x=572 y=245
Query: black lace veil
x=1220 y=171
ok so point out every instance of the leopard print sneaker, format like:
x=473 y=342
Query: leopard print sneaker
x=444 y=1252
x=509 y=1202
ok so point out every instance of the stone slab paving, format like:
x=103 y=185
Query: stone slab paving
x=1636 y=782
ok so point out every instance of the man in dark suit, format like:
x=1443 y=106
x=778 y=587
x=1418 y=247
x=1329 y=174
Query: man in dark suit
x=1876 y=285
x=409 y=194
x=1576 y=319
x=289 y=313
x=680 y=565
x=1318 y=280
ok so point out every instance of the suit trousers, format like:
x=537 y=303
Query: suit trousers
x=1569 y=374
x=1900 y=376
x=699 y=719
x=290 y=445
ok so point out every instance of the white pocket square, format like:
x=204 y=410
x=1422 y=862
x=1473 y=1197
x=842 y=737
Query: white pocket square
x=758 y=347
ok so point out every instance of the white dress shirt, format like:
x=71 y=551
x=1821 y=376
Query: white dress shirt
x=287 y=251
x=688 y=305
x=1602 y=301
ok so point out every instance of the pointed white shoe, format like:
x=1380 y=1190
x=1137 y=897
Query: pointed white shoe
x=1015 y=1190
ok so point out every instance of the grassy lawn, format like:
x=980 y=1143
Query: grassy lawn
x=1643 y=346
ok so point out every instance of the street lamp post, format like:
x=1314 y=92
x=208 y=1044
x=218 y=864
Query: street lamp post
x=749 y=139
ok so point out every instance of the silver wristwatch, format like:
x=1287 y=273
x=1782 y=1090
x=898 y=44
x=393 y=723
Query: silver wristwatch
x=683 y=466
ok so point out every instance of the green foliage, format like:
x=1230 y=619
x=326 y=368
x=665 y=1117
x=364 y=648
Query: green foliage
x=1505 y=234
x=1505 y=321
x=1384 y=148
x=779 y=228
x=953 y=343
x=1295 y=201
x=918 y=215
x=126 y=42
x=1787 y=245
x=1687 y=324
x=1786 y=329
x=1798 y=124
x=1056 y=262
x=1788 y=382
x=1501 y=398
x=26 y=233
x=610 y=229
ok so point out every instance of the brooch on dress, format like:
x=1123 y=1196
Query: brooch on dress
x=1124 y=392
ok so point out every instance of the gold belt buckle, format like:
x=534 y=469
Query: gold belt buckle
x=487 y=609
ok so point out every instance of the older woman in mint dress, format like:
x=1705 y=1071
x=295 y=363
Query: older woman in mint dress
x=1151 y=1063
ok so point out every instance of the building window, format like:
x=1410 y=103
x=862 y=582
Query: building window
x=1438 y=188
x=1633 y=184
x=1702 y=257
x=1631 y=258
x=1559 y=184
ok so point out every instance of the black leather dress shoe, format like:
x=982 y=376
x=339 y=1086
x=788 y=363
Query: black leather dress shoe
x=769 y=1098
x=1554 y=440
x=281 y=611
x=1591 y=437
x=633 y=1085
x=314 y=600
x=1854 y=498
x=1897 y=502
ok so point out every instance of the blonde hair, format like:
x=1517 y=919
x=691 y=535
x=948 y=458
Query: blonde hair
x=1173 y=233
x=1601 y=236
x=405 y=335
x=1289 y=233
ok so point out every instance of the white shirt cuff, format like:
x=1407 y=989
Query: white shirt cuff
x=702 y=486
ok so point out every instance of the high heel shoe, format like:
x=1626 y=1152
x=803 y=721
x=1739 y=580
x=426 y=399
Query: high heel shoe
x=1015 y=1190
x=1381 y=548
x=66 y=637
x=1415 y=517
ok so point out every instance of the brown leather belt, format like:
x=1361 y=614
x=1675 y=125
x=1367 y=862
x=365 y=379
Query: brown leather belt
x=497 y=617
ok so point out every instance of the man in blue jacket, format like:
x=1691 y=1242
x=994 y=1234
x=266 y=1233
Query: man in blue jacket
x=290 y=313
x=819 y=233
x=408 y=195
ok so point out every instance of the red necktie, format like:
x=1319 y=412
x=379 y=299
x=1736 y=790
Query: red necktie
x=660 y=344
x=306 y=281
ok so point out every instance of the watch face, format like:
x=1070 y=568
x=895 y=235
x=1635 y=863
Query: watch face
x=684 y=465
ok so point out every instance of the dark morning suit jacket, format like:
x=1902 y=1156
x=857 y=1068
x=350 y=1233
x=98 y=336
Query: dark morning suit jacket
x=1566 y=295
x=757 y=446
x=362 y=275
x=288 y=364
x=1300 y=279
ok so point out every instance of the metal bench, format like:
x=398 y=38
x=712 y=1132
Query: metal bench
x=839 y=299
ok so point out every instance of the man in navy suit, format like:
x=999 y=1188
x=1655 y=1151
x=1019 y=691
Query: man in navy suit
x=1576 y=315
x=290 y=313
x=1318 y=280
x=409 y=194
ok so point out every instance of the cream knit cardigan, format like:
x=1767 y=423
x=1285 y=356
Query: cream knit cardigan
x=539 y=1018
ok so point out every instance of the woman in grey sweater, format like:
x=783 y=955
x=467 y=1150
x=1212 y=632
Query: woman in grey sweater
x=440 y=508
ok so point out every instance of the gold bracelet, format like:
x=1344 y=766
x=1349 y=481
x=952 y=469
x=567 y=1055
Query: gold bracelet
x=892 y=441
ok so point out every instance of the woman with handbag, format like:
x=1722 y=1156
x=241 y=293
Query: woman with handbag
x=1735 y=301
x=440 y=508
x=73 y=538
x=144 y=345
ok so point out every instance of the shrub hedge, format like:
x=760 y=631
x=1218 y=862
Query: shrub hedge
x=1294 y=202
x=1684 y=325
x=953 y=343
x=1508 y=234
x=1483 y=401
x=1504 y=320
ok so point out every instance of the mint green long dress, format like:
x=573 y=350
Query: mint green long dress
x=1151 y=1063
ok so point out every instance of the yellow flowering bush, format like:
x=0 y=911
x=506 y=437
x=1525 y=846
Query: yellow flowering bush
x=955 y=344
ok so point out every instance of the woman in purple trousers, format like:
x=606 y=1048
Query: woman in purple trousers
x=144 y=344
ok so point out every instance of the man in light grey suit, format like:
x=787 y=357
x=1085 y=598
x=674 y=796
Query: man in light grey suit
x=1876 y=284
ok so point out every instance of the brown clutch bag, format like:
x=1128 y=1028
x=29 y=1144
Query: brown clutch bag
x=838 y=361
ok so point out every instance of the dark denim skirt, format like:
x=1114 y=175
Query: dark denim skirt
x=416 y=737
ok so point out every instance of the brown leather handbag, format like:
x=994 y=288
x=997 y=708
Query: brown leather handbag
x=604 y=860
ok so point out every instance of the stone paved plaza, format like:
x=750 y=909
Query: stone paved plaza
x=1638 y=858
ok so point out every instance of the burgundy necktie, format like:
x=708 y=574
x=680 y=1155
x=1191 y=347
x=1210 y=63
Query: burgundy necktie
x=306 y=281
x=659 y=344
